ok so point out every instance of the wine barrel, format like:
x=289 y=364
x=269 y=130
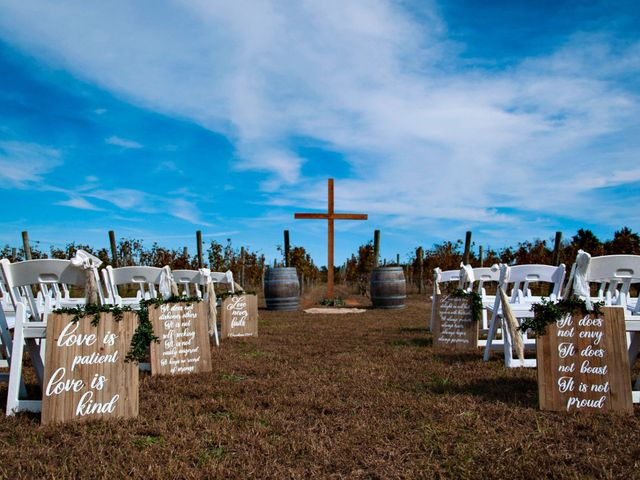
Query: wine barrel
x=281 y=288
x=388 y=287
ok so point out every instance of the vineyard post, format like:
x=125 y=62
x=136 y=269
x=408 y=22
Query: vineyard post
x=376 y=248
x=467 y=248
x=419 y=256
x=199 y=247
x=556 y=249
x=114 y=249
x=287 y=247
x=26 y=246
x=242 y=254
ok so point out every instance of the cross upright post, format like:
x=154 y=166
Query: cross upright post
x=330 y=216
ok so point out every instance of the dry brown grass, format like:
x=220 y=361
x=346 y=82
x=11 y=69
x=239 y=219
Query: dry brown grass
x=361 y=396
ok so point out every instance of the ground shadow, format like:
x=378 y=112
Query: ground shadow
x=453 y=357
x=522 y=392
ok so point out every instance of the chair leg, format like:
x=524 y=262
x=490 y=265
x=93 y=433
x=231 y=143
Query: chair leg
x=493 y=326
x=508 y=352
x=15 y=370
x=634 y=347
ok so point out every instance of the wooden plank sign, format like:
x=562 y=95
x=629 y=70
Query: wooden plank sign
x=239 y=316
x=455 y=326
x=184 y=339
x=583 y=364
x=86 y=376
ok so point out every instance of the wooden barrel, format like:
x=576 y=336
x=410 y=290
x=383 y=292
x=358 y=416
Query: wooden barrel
x=281 y=288
x=388 y=287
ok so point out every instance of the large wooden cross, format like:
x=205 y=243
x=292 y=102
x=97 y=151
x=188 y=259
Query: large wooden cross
x=330 y=216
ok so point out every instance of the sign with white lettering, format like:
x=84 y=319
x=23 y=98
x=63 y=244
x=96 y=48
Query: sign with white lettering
x=455 y=326
x=85 y=375
x=184 y=339
x=583 y=364
x=239 y=316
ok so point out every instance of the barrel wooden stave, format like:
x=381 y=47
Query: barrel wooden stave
x=281 y=289
x=388 y=287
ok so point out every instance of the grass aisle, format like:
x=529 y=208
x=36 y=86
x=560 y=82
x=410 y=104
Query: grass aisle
x=360 y=396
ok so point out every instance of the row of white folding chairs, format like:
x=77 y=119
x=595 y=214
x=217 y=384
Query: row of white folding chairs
x=27 y=313
x=517 y=280
x=147 y=279
x=517 y=284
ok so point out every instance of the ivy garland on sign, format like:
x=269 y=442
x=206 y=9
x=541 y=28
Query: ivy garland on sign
x=476 y=301
x=143 y=336
x=548 y=312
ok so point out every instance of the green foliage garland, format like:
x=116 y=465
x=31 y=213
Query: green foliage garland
x=93 y=310
x=143 y=336
x=476 y=301
x=548 y=312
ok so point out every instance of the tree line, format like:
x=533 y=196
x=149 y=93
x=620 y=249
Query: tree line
x=248 y=266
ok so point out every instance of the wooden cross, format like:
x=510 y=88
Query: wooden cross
x=330 y=216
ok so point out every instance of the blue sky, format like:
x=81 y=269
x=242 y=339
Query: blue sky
x=156 y=119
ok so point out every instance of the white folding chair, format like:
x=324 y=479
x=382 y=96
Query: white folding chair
x=614 y=275
x=145 y=279
x=484 y=275
x=31 y=312
x=439 y=278
x=519 y=278
x=192 y=282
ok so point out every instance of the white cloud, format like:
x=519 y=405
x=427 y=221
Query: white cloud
x=175 y=205
x=426 y=139
x=22 y=164
x=78 y=202
x=122 y=142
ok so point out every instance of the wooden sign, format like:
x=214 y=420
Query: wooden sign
x=239 y=316
x=583 y=364
x=86 y=376
x=184 y=338
x=455 y=326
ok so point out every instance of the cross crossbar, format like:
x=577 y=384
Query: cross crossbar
x=330 y=216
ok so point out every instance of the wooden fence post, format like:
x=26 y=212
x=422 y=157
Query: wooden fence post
x=556 y=249
x=286 y=248
x=242 y=266
x=199 y=246
x=467 y=248
x=26 y=246
x=376 y=248
x=419 y=256
x=114 y=249
x=481 y=256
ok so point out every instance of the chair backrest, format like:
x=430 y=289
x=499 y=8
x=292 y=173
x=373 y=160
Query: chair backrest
x=44 y=274
x=615 y=274
x=447 y=275
x=483 y=275
x=188 y=278
x=521 y=276
x=145 y=278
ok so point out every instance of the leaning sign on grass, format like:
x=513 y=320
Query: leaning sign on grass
x=455 y=326
x=583 y=364
x=86 y=376
x=182 y=329
x=239 y=316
